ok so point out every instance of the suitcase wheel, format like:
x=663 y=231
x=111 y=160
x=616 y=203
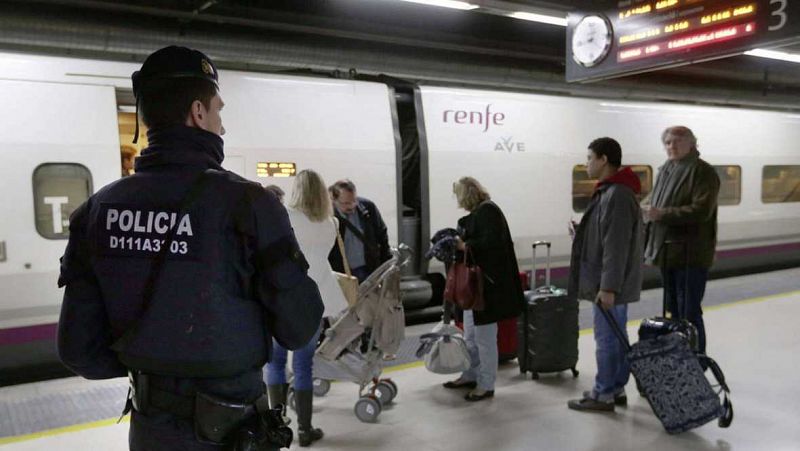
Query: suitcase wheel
x=575 y=372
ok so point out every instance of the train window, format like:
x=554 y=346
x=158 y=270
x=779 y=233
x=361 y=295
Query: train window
x=58 y=189
x=583 y=186
x=730 y=187
x=780 y=184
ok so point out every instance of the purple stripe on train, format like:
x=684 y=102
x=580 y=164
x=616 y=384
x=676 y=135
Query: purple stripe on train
x=19 y=335
x=44 y=332
x=563 y=271
x=758 y=250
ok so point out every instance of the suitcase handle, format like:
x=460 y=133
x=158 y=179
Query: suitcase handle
x=615 y=327
x=547 y=268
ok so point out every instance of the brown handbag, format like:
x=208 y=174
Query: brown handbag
x=464 y=285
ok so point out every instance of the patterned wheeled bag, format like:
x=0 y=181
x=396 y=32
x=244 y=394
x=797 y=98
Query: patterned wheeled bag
x=672 y=377
x=670 y=374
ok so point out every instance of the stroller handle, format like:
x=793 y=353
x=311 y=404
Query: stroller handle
x=402 y=254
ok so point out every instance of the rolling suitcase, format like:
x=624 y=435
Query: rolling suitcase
x=548 y=327
x=507 y=341
x=525 y=280
x=670 y=374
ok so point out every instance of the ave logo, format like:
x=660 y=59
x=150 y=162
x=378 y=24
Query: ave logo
x=509 y=145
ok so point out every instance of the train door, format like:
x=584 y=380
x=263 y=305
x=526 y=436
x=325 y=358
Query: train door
x=128 y=150
x=422 y=291
x=58 y=142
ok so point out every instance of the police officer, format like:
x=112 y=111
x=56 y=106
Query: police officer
x=180 y=275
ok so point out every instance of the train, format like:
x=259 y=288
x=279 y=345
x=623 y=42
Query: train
x=64 y=121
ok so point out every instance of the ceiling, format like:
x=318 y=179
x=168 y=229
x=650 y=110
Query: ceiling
x=405 y=40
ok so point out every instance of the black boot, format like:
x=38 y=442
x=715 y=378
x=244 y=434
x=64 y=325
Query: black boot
x=306 y=434
x=277 y=394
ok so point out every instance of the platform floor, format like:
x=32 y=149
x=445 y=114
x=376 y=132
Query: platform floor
x=755 y=341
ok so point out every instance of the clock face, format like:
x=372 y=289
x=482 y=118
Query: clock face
x=591 y=40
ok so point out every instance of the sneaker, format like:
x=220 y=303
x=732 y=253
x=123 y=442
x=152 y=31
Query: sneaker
x=590 y=405
x=620 y=399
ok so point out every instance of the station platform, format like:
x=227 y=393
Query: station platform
x=754 y=340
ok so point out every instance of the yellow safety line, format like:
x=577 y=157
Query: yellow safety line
x=62 y=430
x=405 y=366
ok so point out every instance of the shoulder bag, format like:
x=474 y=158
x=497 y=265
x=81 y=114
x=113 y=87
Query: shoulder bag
x=347 y=282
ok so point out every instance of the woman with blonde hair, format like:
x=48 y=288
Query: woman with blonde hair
x=310 y=213
x=484 y=234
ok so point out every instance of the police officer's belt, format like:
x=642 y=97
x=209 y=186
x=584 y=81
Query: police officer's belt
x=238 y=425
x=144 y=397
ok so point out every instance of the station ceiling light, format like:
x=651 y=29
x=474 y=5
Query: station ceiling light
x=445 y=3
x=500 y=8
x=774 y=54
x=552 y=20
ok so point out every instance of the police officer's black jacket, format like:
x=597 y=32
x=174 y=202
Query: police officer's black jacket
x=233 y=276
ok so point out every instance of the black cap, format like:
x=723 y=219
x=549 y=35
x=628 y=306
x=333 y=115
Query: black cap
x=174 y=62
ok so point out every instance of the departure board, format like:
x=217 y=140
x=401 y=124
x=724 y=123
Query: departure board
x=275 y=169
x=631 y=36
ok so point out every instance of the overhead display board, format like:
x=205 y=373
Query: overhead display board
x=631 y=36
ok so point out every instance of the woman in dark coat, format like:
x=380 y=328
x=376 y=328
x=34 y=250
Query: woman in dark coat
x=485 y=233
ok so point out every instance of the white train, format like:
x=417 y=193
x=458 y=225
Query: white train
x=62 y=122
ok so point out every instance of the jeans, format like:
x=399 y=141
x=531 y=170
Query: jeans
x=302 y=364
x=613 y=369
x=684 y=290
x=361 y=273
x=482 y=347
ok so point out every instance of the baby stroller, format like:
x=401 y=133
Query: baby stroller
x=355 y=345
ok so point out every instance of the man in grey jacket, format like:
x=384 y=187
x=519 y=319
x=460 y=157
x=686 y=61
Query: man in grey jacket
x=606 y=267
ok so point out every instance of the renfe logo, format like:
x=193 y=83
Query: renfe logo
x=474 y=117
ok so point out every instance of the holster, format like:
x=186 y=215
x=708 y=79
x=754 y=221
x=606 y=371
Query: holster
x=241 y=427
x=266 y=431
x=140 y=390
x=216 y=418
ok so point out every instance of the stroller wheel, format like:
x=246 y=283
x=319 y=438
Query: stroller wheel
x=385 y=392
x=367 y=409
x=394 y=386
x=321 y=387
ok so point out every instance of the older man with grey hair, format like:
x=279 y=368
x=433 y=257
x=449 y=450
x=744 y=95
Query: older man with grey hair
x=683 y=208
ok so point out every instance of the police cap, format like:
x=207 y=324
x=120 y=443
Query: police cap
x=174 y=62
